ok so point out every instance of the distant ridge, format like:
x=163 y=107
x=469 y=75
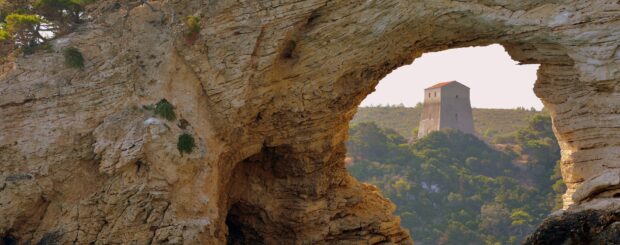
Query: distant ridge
x=403 y=120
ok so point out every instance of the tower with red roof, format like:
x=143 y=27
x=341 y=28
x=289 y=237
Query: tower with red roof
x=446 y=106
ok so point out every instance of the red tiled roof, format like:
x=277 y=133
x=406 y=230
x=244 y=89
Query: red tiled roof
x=439 y=85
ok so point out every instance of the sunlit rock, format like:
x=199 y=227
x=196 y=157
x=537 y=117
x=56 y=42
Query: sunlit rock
x=267 y=90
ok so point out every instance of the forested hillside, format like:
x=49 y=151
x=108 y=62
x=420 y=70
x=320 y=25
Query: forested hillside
x=453 y=188
x=489 y=123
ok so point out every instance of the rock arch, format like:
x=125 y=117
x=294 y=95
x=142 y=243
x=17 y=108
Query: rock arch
x=267 y=89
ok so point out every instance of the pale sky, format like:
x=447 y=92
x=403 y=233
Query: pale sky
x=495 y=80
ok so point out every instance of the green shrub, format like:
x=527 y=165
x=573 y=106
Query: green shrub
x=4 y=35
x=17 y=22
x=64 y=12
x=29 y=49
x=73 y=57
x=164 y=109
x=186 y=143
x=23 y=28
x=193 y=25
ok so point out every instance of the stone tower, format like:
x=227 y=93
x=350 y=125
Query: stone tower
x=446 y=105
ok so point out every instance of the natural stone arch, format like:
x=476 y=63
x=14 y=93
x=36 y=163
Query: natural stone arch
x=267 y=89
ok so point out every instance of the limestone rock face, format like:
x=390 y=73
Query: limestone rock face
x=583 y=227
x=267 y=89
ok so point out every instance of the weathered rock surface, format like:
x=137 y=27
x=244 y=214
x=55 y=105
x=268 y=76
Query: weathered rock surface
x=267 y=90
x=584 y=227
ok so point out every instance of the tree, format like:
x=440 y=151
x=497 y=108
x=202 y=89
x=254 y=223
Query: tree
x=494 y=218
x=521 y=222
x=453 y=188
x=559 y=187
x=62 y=12
x=24 y=28
x=414 y=132
x=28 y=23
x=369 y=141
x=401 y=186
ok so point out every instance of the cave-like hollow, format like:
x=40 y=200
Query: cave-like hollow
x=287 y=181
x=271 y=193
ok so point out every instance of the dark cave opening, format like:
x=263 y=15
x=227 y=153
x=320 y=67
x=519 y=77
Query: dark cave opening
x=8 y=240
x=238 y=221
x=256 y=185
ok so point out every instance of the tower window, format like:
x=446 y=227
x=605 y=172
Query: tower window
x=435 y=94
x=429 y=95
x=457 y=96
x=456 y=116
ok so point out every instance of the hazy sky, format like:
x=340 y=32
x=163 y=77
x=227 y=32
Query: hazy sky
x=495 y=80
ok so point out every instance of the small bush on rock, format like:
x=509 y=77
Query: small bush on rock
x=193 y=29
x=193 y=24
x=73 y=58
x=186 y=143
x=4 y=35
x=164 y=109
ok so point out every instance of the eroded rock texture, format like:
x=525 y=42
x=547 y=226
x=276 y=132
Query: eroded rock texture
x=584 y=227
x=267 y=89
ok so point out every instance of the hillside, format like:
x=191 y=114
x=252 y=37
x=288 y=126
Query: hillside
x=453 y=188
x=488 y=122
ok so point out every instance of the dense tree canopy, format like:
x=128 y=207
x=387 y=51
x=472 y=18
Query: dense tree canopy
x=25 y=24
x=452 y=188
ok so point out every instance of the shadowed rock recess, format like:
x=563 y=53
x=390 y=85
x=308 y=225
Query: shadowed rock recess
x=266 y=89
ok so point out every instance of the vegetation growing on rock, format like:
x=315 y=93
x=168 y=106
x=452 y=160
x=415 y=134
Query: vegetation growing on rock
x=345 y=48
x=193 y=24
x=193 y=28
x=453 y=188
x=24 y=28
x=164 y=109
x=28 y=23
x=186 y=143
x=73 y=57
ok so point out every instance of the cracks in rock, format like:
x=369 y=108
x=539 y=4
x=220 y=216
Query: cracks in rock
x=43 y=215
x=125 y=207
x=159 y=224
x=50 y=238
x=131 y=6
x=612 y=191
x=77 y=221
x=323 y=167
x=288 y=51
x=11 y=104
x=257 y=45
